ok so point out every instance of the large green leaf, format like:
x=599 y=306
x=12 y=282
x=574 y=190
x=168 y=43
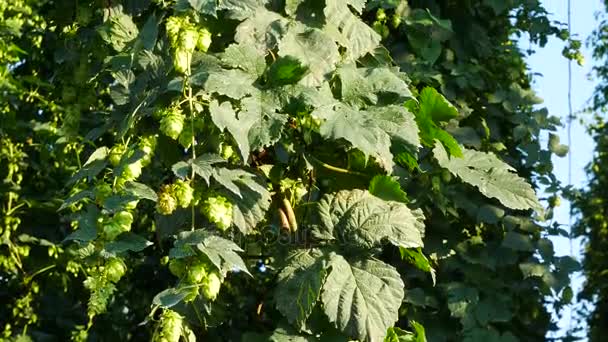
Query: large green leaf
x=387 y=188
x=314 y=49
x=119 y=30
x=246 y=57
x=357 y=37
x=363 y=86
x=220 y=251
x=493 y=177
x=233 y=83
x=259 y=115
x=434 y=108
x=362 y=298
x=262 y=30
x=372 y=131
x=299 y=285
x=358 y=218
x=249 y=196
x=224 y=117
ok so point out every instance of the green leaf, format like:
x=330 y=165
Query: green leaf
x=140 y=190
x=362 y=298
x=233 y=83
x=286 y=70
x=371 y=131
x=171 y=297
x=76 y=198
x=314 y=49
x=224 y=117
x=418 y=259
x=207 y=7
x=241 y=9
x=387 y=188
x=358 y=38
x=203 y=165
x=92 y=167
x=435 y=106
x=358 y=218
x=363 y=86
x=119 y=30
x=299 y=285
x=259 y=114
x=518 y=242
x=127 y=242
x=246 y=57
x=221 y=252
x=262 y=30
x=87 y=225
x=249 y=194
x=554 y=146
x=493 y=177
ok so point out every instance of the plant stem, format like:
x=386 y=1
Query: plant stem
x=337 y=169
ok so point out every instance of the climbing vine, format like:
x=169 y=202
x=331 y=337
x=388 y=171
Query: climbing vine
x=269 y=170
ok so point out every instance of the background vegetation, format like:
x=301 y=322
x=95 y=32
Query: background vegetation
x=276 y=170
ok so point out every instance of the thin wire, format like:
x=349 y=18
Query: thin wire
x=569 y=128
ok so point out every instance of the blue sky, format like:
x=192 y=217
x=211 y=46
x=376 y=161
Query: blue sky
x=551 y=85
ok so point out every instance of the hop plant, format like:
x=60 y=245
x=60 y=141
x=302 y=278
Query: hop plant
x=185 y=138
x=227 y=152
x=115 y=269
x=131 y=171
x=197 y=272
x=172 y=122
x=177 y=267
x=116 y=154
x=102 y=191
x=167 y=203
x=219 y=211
x=204 y=39
x=101 y=291
x=211 y=285
x=147 y=145
x=118 y=224
x=170 y=327
x=183 y=192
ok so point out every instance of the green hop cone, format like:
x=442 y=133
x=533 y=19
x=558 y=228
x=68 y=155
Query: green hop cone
x=219 y=211
x=185 y=138
x=102 y=191
x=188 y=38
x=211 y=286
x=115 y=269
x=227 y=152
x=166 y=204
x=196 y=272
x=172 y=124
x=131 y=205
x=116 y=154
x=183 y=192
x=147 y=146
x=171 y=324
x=132 y=171
x=111 y=230
x=181 y=60
x=124 y=219
x=177 y=267
x=204 y=39
x=173 y=26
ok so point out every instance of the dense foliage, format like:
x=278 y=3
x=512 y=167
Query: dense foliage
x=275 y=170
x=589 y=203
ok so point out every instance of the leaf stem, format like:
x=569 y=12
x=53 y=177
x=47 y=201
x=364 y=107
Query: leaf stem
x=335 y=168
